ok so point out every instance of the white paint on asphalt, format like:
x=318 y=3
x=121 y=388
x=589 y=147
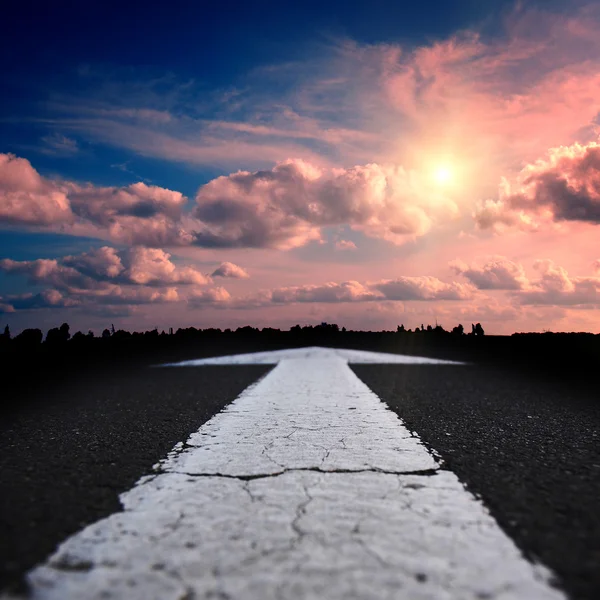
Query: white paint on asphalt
x=305 y=487
x=352 y=356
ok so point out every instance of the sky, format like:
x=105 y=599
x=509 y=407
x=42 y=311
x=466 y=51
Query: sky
x=263 y=163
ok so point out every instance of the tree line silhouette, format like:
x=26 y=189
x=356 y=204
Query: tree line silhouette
x=59 y=354
x=32 y=338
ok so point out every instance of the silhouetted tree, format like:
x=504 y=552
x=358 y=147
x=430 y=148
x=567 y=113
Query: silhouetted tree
x=52 y=336
x=58 y=335
x=121 y=334
x=64 y=331
x=90 y=334
x=112 y=329
x=401 y=329
x=478 y=330
x=29 y=338
x=5 y=338
x=106 y=333
x=458 y=330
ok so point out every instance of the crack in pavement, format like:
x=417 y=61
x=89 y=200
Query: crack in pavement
x=421 y=473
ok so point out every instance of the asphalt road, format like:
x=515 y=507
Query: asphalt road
x=528 y=447
x=67 y=453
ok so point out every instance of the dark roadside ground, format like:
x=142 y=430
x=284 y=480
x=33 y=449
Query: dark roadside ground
x=529 y=447
x=520 y=431
x=70 y=447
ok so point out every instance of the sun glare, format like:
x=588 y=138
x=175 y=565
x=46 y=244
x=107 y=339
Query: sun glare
x=442 y=175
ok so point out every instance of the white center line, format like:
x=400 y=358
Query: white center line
x=305 y=487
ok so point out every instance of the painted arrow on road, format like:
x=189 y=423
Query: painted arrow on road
x=305 y=487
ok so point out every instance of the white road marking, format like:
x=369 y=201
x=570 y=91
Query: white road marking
x=305 y=487
x=274 y=356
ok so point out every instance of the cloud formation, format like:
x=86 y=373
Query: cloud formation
x=498 y=273
x=288 y=205
x=356 y=133
x=347 y=291
x=345 y=245
x=228 y=269
x=531 y=86
x=102 y=277
x=556 y=287
x=135 y=214
x=282 y=208
x=423 y=288
x=212 y=296
x=26 y=198
x=106 y=266
x=45 y=299
x=553 y=287
x=563 y=186
x=400 y=289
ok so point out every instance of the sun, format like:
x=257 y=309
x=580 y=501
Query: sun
x=442 y=175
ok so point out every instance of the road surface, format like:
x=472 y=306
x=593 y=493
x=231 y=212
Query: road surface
x=529 y=451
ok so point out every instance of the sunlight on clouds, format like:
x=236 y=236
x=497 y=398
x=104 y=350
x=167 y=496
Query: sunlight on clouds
x=443 y=175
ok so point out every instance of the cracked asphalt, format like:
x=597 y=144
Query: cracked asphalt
x=67 y=453
x=306 y=486
x=529 y=447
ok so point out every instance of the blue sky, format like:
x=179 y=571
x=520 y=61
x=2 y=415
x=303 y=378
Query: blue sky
x=320 y=104
x=78 y=49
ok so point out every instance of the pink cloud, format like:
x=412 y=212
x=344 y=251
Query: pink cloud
x=423 y=288
x=345 y=245
x=564 y=186
x=29 y=199
x=94 y=301
x=135 y=214
x=287 y=206
x=400 y=289
x=556 y=287
x=104 y=267
x=215 y=296
x=553 y=287
x=283 y=208
x=348 y=291
x=152 y=266
x=228 y=269
x=535 y=87
x=116 y=294
x=498 y=273
x=49 y=272
x=45 y=299
x=102 y=205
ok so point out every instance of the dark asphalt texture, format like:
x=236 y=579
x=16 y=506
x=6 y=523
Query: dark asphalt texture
x=530 y=448
x=66 y=454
